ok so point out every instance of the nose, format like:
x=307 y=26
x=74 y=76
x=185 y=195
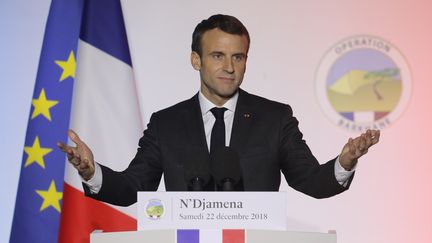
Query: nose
x=228 y=66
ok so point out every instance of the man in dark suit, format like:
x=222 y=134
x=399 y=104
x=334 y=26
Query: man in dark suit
x=264 y=133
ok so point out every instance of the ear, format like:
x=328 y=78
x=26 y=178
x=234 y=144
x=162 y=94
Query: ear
x=196 y=61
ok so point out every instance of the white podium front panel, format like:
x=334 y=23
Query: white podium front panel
x=262 y=236
x=153 y=236
x=212 y=210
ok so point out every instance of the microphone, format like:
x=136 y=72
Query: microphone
x=196 y=171
x=225 y=168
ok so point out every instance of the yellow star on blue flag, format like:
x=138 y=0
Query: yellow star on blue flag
x=36 y=153
x=42 y=106
x=39 y=197
x=68 y=67
x=51 y=197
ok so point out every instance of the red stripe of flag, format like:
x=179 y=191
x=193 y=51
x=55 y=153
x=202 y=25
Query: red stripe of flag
x=85 y=214
x=233 y=236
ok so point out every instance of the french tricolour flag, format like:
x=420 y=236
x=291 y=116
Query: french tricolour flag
x=105 y=113
x=210 y=236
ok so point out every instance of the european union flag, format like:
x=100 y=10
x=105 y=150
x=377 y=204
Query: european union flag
x=39 y=197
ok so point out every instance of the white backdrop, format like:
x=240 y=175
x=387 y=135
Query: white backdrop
x=288 y=41
x=22 y=25
x=389 y=200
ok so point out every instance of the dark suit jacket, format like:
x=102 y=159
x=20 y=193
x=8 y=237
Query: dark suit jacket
x=265 y=134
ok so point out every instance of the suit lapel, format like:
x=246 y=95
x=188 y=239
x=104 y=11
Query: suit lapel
x=243 y=118
x=195 y=143
x=194 y=125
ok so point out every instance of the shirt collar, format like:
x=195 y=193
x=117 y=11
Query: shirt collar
x=206 y=104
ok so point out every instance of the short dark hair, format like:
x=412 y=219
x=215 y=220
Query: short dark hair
x=226 y=23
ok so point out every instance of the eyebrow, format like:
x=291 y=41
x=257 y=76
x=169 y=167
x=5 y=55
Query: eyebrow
x=239 y=54
x=217 y=52
x=222 y=53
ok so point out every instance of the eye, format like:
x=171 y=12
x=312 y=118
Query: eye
x=217 y=56
x=238 y=58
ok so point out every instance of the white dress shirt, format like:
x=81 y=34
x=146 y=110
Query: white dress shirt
x=209 y=119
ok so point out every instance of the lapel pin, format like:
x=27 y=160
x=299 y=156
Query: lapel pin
x=247 y=115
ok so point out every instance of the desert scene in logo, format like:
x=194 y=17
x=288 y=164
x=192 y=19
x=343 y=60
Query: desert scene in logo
x=366 y=91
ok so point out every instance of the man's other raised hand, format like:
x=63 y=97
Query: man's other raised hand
x=81 y=157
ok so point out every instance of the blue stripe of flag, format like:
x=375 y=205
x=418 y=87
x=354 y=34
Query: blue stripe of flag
x=31 y=223
x=188 y=236
x=105 y=29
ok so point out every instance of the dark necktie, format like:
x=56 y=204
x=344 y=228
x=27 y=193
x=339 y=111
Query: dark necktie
x=217 y=139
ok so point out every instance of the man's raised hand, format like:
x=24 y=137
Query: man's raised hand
x=81 y=157
x=357 y=147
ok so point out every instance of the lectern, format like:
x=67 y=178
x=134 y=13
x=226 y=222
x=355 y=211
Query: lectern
x=212 y=217
x=251 y=236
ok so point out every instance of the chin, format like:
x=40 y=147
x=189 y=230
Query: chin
x=228 y=93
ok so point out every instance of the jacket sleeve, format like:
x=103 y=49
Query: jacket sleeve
x=301 y=169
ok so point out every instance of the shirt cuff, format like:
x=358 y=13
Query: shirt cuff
x=341 y=174
x=95 y=183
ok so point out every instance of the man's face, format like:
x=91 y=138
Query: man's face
x=222 y=64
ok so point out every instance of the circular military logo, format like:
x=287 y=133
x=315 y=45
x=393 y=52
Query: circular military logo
x=154 y=209
x=363 y=82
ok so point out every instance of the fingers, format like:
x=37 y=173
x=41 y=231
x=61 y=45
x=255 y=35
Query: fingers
x=65 y=148
x=80 y=157
x=72 y=153
x=362 y=143
x=375 y=135
x=74 y=137
x=79 y=163
x=75 y=158
x=368 y=139
x=371 y=137
x=347 y=157
x=357 y=147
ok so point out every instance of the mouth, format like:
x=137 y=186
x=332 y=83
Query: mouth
x=226 y=79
